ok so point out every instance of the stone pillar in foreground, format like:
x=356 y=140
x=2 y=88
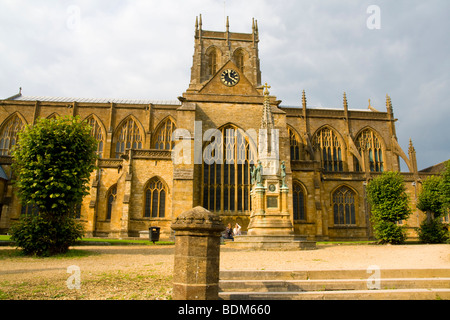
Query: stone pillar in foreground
x=197 y=252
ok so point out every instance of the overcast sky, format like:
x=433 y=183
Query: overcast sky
x=143 y=50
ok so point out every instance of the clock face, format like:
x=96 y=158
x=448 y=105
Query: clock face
x=229 y=77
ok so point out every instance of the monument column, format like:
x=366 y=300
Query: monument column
x=197 y=253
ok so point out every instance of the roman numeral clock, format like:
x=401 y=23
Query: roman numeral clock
x=229 y=77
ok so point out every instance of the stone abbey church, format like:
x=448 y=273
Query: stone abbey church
x=329 y=154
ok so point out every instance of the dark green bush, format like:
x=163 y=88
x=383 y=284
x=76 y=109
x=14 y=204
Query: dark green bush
x=389 y=232
x=433 y=231
x=45 y=236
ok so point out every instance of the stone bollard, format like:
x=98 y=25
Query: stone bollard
x=197 y=253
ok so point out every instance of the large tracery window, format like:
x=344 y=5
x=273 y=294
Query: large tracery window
x=298 y=197
x=163 y=135
x=367 y=142
x=327 y=142
x=227 y=178
x=97 y=133
x=155 y=199
x=344 y=206
x=128 y=136
x=8 y=136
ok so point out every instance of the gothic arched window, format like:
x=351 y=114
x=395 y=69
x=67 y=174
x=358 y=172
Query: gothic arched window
x=77 y=211
x=238 y=58
x=228 y=161
x=163 y=135
x=29 y=209
x=97 y=133
x=327 y=142
x=344 y=206
x=8 y=135
x=367 y=142
x=111 y=198
x=211 y=58
x=294 y=143
x=298 y=196
x=155 y=199
x=128 y=136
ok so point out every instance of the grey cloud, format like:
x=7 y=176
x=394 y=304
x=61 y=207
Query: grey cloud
x=143 y=49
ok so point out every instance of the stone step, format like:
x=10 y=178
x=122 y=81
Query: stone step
x=331 y=274
x=394 y=284
x=330 y=284
x=400 y=294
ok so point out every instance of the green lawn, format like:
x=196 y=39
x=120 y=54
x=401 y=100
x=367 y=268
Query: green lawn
x=86 y=241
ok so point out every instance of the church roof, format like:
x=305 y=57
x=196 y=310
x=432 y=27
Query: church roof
x=437 y=168
x=323 y=108
x=20 y=97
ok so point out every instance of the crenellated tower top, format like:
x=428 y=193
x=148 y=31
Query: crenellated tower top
x=213 y=49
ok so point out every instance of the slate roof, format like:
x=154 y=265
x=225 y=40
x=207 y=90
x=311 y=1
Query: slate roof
x=20 y=97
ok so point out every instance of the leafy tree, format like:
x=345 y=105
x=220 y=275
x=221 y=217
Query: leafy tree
x=390 y=204
x=431 y=198
x=446 y=186
x=446 y=190
x=432 y=201
x=53 y=161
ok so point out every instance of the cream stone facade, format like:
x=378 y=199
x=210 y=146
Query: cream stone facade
x=330 y=154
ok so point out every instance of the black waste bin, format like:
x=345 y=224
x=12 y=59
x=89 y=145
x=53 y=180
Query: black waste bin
x=154 y=233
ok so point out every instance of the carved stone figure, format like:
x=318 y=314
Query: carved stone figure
x=257 y=174
x=283 y=174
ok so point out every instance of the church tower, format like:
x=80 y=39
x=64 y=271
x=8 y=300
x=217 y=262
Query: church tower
x=214 y=49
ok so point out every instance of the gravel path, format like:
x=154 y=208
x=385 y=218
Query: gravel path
x=329 y=257
x=145 y=272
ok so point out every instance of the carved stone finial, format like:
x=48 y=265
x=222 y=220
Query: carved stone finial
x=304 y=99
x=266 y=91
x=267 y=121
x=345 y=101
x=389 y=104
x=411 y=148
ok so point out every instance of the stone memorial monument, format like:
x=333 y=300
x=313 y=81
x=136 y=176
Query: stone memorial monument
x=270 y=224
